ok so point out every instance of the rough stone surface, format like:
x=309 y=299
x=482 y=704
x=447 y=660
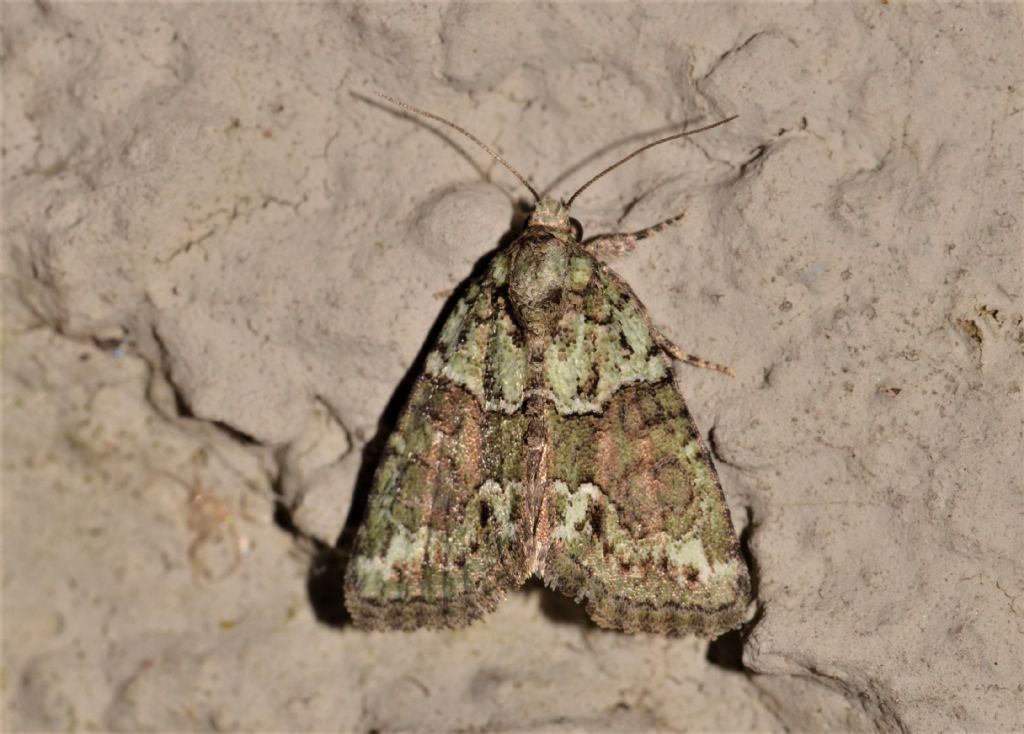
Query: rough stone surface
x=222 y=257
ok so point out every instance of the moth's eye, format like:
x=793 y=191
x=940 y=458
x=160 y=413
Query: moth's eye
x=577 y=229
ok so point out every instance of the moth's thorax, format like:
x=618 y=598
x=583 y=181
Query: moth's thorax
x=546 y=268
x=551 y=214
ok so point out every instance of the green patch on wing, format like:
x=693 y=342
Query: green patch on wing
x=400 y=571
x=479 y=346
x=600 y=346
x=658 y=567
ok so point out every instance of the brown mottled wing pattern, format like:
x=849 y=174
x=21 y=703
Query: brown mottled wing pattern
x=445 y=534
x=636 y=525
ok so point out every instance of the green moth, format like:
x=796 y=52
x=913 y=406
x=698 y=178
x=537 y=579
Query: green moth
x=546 y=436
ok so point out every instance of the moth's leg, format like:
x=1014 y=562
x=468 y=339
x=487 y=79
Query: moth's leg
x=608 y=246
x=691 y=359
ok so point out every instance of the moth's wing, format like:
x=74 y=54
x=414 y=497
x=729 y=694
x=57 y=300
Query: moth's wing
x=443 y=537
x=636 y=525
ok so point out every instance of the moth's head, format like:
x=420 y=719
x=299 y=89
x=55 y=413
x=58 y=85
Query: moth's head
x=553 y=214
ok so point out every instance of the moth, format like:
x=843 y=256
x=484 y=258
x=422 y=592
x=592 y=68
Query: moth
x=546 y=436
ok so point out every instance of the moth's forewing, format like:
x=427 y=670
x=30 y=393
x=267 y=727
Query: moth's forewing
x=445 y=534
x=637 y=526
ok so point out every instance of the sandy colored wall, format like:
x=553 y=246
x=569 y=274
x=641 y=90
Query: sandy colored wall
x=221 y=260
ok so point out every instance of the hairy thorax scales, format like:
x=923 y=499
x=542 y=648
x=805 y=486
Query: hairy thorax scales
x=547 y=264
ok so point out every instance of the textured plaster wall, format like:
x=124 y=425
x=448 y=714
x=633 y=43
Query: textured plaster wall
x=221 y=259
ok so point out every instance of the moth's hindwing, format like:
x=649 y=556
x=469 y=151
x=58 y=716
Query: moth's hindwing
x=445 y=533
x=636 y=523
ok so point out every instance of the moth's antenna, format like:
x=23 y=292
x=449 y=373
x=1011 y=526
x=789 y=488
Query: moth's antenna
x=468 y=134
x=637 y=152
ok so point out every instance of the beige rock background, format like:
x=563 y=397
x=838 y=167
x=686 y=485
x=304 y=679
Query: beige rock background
x=221 y=260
